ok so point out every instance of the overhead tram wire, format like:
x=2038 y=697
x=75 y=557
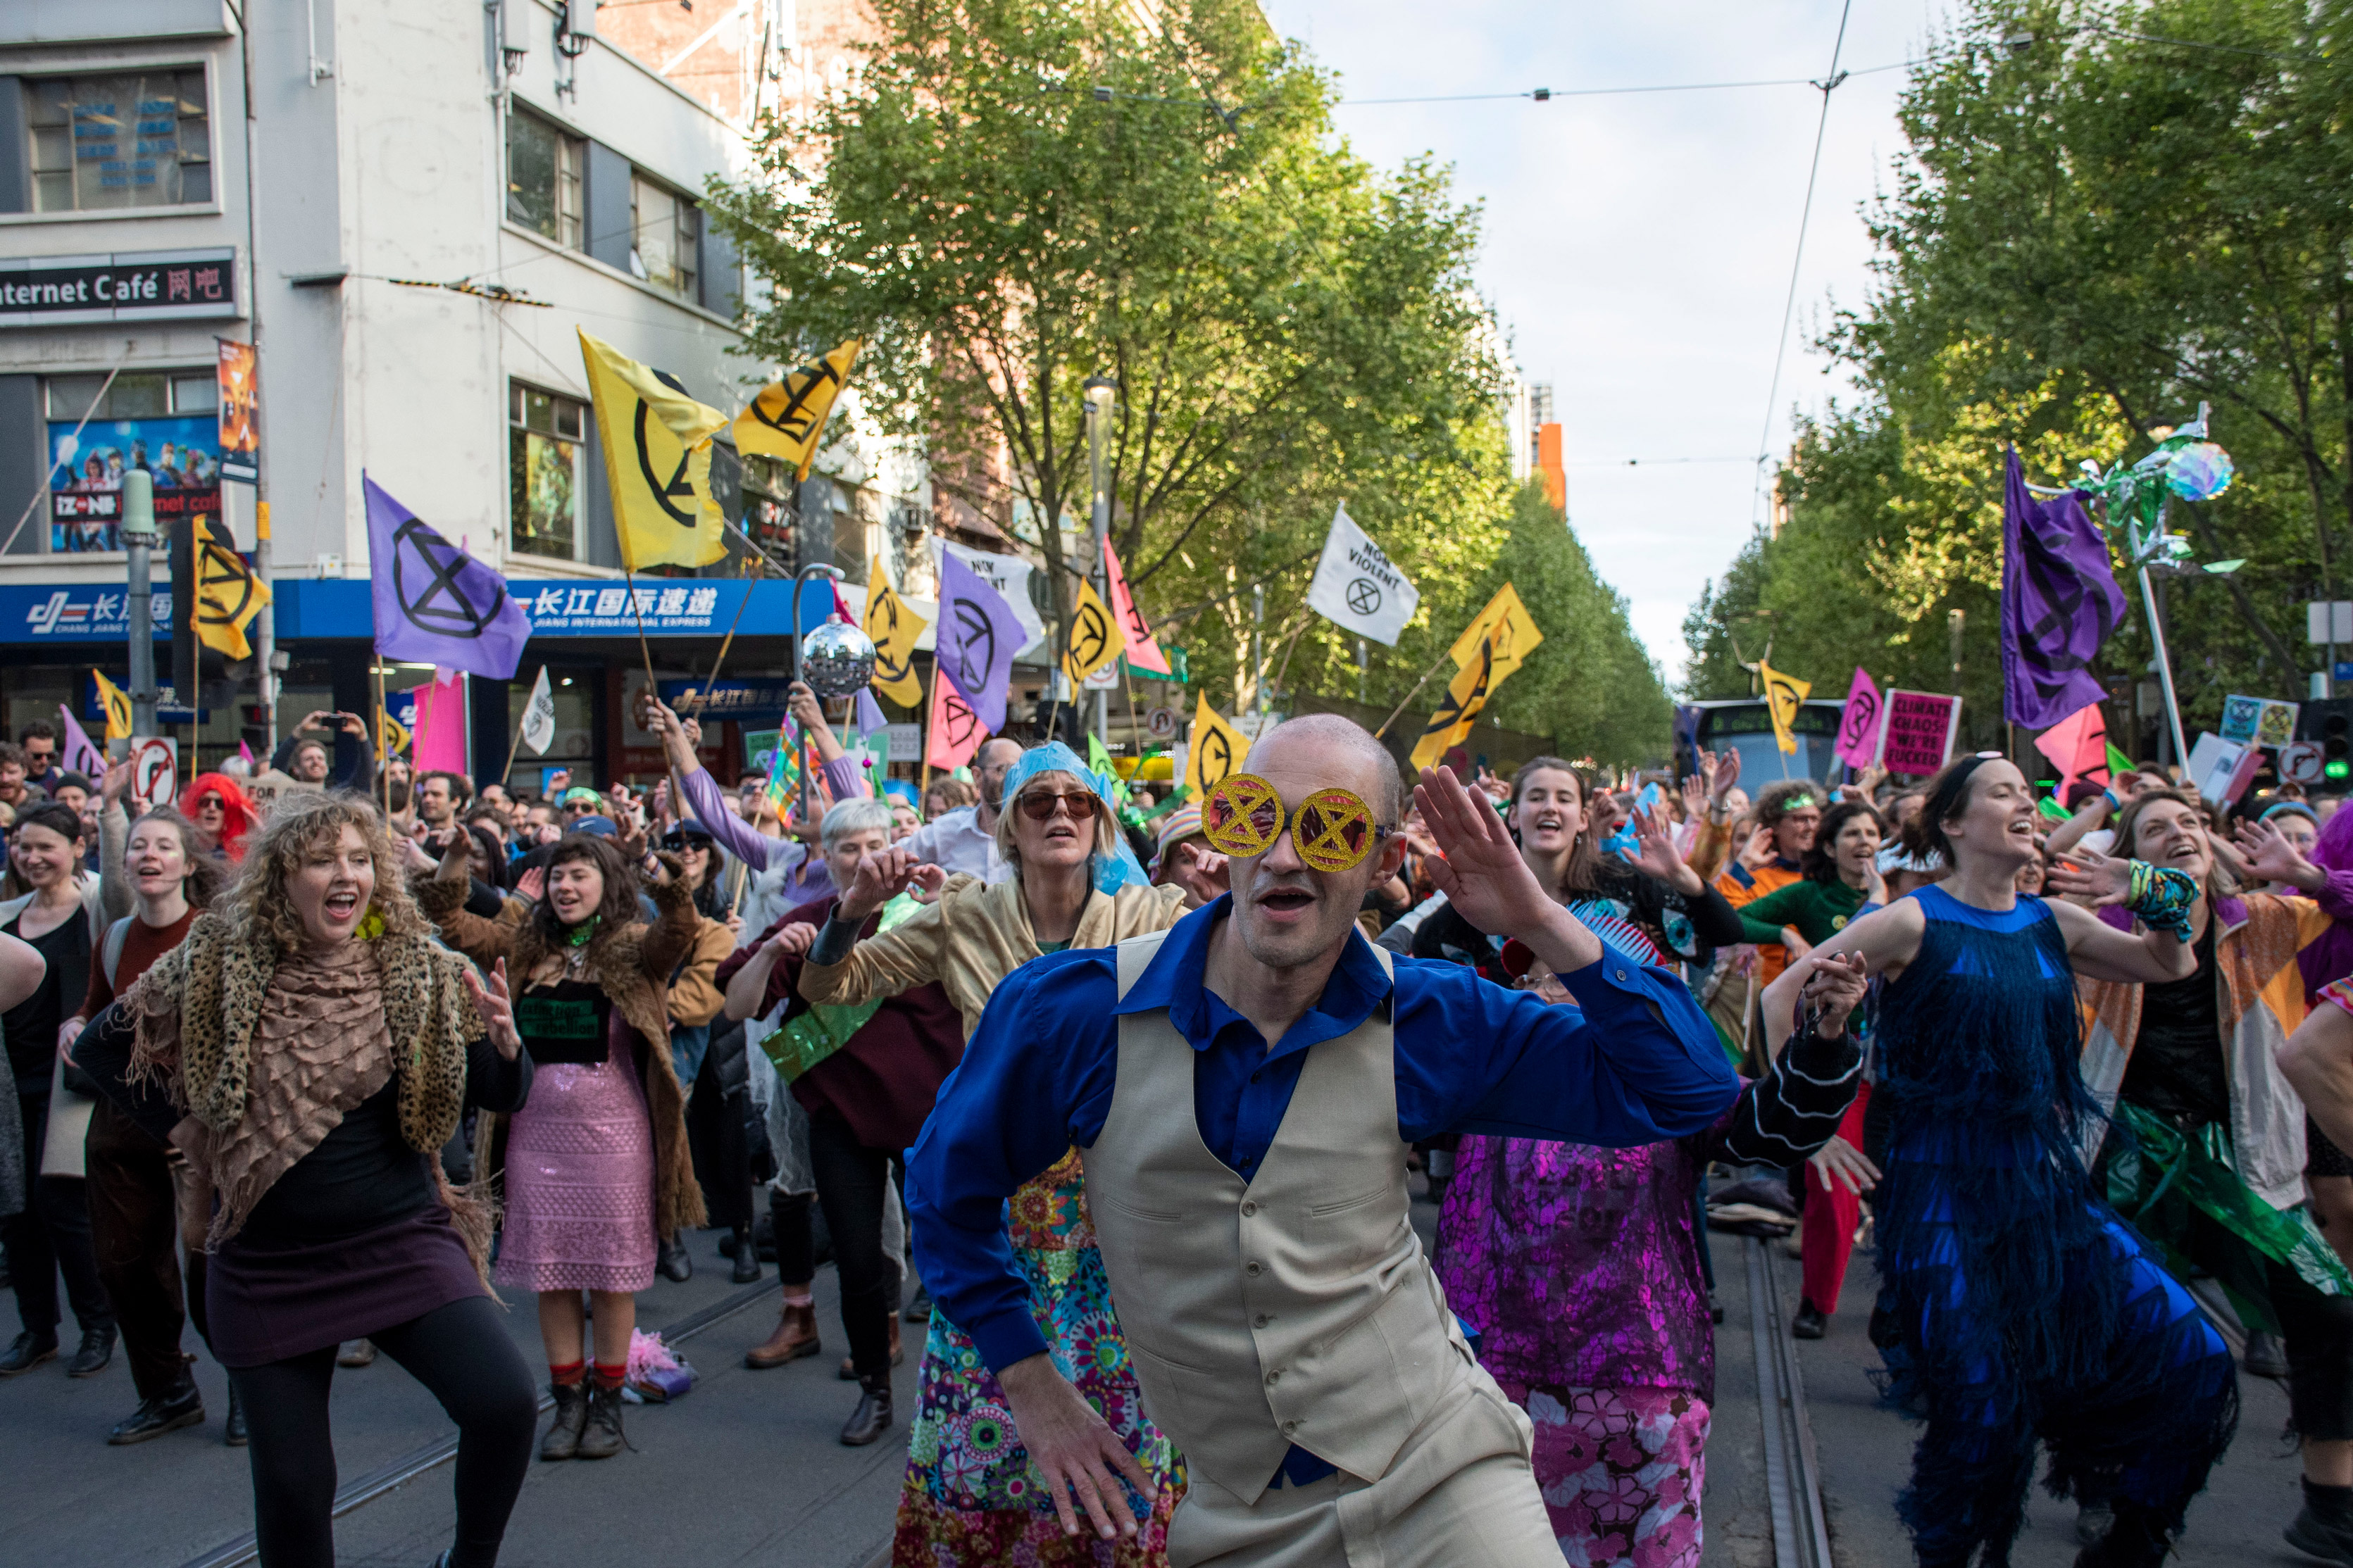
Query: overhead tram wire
x=1545 y=94
x=1828 y=85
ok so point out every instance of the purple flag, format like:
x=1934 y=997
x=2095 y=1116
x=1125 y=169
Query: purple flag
x=2059 y=602
x=434 y=603
x=978 y=637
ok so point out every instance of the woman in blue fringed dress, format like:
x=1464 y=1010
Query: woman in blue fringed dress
x=2014 y=1307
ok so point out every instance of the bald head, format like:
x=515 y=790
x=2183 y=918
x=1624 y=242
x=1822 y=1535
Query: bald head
x=1346 y=753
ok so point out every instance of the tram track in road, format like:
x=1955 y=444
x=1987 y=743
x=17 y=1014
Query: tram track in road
x=1793 y=1481
x=389 y=1478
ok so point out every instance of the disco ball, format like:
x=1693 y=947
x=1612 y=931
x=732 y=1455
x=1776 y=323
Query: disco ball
x=836 y=660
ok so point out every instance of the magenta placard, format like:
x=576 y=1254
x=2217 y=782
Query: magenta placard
x=1858 y=733
x=1920 y=726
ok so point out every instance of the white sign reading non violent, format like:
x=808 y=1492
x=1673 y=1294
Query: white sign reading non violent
x=154 y=770
x=1357 y=588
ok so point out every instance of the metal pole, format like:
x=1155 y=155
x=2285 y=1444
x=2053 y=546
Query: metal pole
x=1360 y=670
x=1099 y=392
x=138 y=539
x=2164 y=668
x=1258 y=648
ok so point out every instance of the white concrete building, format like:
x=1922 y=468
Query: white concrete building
x=149 y=205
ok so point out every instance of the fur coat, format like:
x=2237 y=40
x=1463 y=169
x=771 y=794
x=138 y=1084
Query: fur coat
x=631 y=965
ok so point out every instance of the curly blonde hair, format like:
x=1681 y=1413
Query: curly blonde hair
x=299 y=826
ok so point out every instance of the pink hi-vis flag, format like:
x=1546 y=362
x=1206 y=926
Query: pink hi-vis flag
x=1143 y=648
x=957 y=731
x=1859 y=726
x=441 y=725
x=2078 y=747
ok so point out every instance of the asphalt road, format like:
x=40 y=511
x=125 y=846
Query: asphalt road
x=1865 y=1454
x=745 y=1469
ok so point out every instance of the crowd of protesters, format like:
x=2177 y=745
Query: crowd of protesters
x=630 y=1017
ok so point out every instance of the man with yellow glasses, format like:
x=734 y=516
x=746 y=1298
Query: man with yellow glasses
x=1244 y=1088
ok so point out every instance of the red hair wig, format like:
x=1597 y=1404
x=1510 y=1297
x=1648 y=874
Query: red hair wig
x=238 y=816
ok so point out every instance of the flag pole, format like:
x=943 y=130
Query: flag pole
x=702 y=698
x=1410 y=695
x=644 y=648
x=515 y=745
x=925 y=789
x=383 y=752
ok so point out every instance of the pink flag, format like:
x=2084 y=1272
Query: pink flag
x=1142 y=648
x=79 y=755
x=441 y=725
x=2078 y=747
x=1857 y=732
x=956 y=729
x=245 y=751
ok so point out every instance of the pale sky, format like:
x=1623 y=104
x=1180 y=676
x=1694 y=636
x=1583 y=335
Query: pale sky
x=1638 y=248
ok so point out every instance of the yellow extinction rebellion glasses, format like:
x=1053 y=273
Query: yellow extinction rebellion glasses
x=1333 y=830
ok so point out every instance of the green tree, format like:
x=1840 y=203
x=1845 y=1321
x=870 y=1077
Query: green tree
x=1019 y=195
x=2106 y=215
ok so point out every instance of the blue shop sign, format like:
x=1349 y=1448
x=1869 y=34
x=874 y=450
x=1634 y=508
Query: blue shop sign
x=309 y=607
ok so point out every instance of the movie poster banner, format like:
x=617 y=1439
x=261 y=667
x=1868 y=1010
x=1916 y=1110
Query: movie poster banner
x=240 y=412
x=180 y=452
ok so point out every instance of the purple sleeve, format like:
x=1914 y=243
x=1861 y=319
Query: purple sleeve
x=709 y=804
x=846 y=779
x=2336 y=895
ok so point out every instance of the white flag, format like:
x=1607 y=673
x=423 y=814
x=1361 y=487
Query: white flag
x=1009 y=575
x=1355 y=587
x=539 y=716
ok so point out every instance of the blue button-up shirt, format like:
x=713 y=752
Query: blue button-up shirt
x=1637 y=1062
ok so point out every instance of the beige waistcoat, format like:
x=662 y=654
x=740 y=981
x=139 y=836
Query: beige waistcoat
x=1297 y=1306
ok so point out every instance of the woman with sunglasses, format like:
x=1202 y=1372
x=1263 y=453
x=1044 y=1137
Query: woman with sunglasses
x=223 y=815
x=2016 y=1310
x=968 y=1497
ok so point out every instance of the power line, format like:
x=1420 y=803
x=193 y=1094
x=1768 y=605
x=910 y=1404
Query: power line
x=1545 y=94
x=1828 y=85
x=1644 y=462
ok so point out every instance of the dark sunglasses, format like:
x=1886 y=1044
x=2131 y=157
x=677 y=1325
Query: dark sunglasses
x=1040 y=806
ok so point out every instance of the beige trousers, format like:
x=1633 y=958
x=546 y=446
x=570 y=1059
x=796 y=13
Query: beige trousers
x=1459 y=1491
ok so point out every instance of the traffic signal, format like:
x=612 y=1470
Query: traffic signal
x=253 y=726
x=2328 y=724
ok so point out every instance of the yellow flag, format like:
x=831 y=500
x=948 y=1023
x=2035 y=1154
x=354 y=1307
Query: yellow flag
x=1784 y=695
x=892 y=627
x=229 y=594
x=390 y=737
x=1095 y=636
x=117 y=703
x=787 y=419
x=1503 y=624
x=657 y=442
x=1466 y=697
x=1217 y=749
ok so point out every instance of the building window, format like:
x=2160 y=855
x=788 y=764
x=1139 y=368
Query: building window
x=99 y=142
x=543 y=471
x=665 y=231
x=543 y=167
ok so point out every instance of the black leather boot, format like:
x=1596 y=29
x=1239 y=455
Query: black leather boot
x=673 y=1261
x=1810 y=1323
x=562 y=1439
x=872 y=1416
x=603 y=1437
x=746 y=1256
x=29 y=1351
x=97 y=1350
x=167 y=1412
x=234 y=1433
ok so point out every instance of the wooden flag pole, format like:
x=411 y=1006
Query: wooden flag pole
x=924 y=790
x=1412 y=695
x=644 y=648
x=514 y=745
x=384 y=752
x=704 y=697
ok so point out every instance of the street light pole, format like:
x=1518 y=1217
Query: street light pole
x=138 y=538
x=1099 y=392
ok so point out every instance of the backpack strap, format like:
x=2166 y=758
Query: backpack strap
x=118 y=936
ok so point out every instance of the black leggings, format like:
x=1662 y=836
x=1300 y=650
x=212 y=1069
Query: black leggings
x=462 y=1354
x=851 y=1186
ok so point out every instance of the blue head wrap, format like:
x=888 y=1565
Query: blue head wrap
x=1112 y=871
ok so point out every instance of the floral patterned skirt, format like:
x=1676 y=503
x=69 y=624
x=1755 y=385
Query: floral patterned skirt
x=1621 y=1470
x=972 y=1499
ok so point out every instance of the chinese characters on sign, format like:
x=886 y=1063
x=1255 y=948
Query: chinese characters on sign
x=130 y=287
x=597 y=608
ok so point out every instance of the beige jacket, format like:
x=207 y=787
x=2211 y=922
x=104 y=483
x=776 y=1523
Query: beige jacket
x=973 y=937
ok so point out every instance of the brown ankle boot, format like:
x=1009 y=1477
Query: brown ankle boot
x=796 y=1337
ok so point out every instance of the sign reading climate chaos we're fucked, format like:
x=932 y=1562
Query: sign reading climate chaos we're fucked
x=137 y=286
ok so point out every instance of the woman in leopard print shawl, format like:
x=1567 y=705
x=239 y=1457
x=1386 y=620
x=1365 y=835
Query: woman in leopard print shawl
x=310 y=1047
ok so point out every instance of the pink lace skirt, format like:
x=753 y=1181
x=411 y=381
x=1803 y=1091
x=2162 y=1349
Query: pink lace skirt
x=580 y=1179
x=1621 y=1470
